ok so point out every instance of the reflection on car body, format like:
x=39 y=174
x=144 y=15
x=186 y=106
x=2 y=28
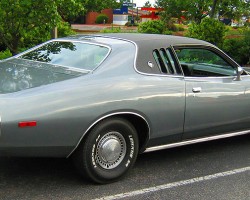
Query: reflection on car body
x=102 y=99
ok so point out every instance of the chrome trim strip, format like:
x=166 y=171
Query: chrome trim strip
x=0 y=126
x=106 y=116
x=136 y=54
x=178 y=144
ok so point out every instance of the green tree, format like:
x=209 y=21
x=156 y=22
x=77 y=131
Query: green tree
x=23 y=20
x=239 y=48
x=98 y=5
x=147 y=4
x=234 y=9
x=213 y=9
x=69 y=10
x=210 y=30
x=31 y=21
x=152 y=26
x=194 y=10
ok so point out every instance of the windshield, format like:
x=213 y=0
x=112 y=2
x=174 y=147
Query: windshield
x=70 y=54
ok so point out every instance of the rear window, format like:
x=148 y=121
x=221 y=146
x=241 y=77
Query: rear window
x=70 y=54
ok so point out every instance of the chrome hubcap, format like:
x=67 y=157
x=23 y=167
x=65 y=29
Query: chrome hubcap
x=111 y=150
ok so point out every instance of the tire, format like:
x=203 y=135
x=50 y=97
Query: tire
x=108 y=151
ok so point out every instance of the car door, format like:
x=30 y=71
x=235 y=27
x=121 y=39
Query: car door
x=216 y=102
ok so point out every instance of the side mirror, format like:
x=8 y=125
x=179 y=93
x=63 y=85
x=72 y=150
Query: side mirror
x=239 y=72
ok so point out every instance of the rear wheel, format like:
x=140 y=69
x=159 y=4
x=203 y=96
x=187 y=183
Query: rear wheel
x=108 y=151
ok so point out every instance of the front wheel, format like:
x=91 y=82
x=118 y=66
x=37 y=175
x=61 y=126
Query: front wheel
x=108 y=151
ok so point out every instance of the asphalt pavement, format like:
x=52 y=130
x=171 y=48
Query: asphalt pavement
x=212 y=170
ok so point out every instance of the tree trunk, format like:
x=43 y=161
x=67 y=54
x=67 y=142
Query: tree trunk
x=212 y=14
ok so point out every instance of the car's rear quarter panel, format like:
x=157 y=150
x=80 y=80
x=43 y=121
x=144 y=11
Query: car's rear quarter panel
x=65 y=110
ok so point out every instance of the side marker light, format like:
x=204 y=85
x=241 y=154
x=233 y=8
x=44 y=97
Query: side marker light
x=26 y=124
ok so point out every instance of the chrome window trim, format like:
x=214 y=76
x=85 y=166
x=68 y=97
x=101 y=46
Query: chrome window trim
x=213 y=49
x=104 y=117
x=67 y=67
x=136 y=54
x=199 y=140
x=0 y=126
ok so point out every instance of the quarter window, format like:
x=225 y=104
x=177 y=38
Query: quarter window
x=203 y=62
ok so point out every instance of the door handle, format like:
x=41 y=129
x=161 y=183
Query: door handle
x=196 y=89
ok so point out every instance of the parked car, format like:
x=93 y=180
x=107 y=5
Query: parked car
x=103 y=99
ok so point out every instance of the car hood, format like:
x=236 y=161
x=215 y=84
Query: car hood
x=19 y=74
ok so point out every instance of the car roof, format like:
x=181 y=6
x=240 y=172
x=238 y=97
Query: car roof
x=149 y=39
x=145 y=43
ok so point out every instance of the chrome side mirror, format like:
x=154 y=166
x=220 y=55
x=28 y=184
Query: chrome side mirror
x=239 y=72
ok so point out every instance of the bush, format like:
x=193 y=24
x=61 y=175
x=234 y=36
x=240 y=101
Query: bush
x=155 y=27
x=130 y=24
x=5 y=54
x=167 y=32
x=101 y=19
x=175 y=27
x=64 y=29
x=37 y=36
x=239 y=48
x=112 y=30
x=180 y=27
x=247 y=24
x=210 y=30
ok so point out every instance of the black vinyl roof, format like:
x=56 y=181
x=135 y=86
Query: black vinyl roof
x=140 y=38
x=146 y=44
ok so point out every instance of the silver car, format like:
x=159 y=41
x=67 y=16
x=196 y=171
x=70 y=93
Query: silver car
x=103 y=99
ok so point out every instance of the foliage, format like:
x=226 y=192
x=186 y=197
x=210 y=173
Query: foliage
x=101 y=19
x=167 y=32
x=64 y=29
x=247 y=24
x=179 y=27
x=174 y=27
x=5 y=54
x=21 y=18
x=98 y=5
x=147 y=4
x=113 y=30
x=24 y=23
x=234 y=9
x=130 y=24
x=210 y=30
x=69 y=10
x=196 y=10
x=155 y=27
x=190 y=9
x=239 y=48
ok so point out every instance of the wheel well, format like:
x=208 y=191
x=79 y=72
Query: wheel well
x=140 y=124
x=142 y=128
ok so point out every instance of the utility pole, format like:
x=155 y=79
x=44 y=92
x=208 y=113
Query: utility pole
x=54 y=33
x=132 y=21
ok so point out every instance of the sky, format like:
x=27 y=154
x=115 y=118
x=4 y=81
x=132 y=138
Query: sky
x=140 y=3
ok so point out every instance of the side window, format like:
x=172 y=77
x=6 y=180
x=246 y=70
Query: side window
x=203 y=62
x=165 y=61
